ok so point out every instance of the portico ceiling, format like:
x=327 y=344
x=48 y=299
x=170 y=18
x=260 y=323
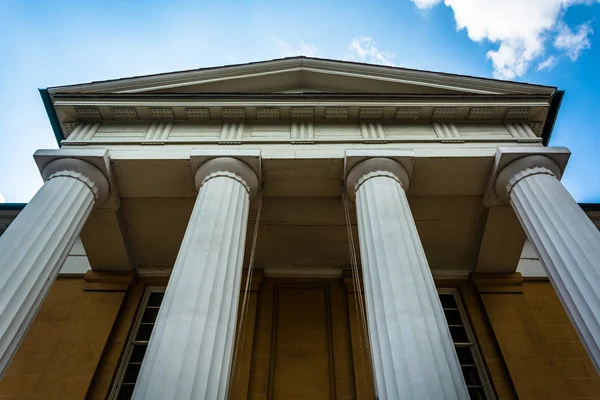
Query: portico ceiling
x=302 y=224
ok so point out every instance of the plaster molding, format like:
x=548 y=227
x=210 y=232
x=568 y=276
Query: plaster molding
x=371 y=113
x=336 y=113
x=246 y=164
x=447 y=132
x=553 y=158
x=197 y=113
x=408 y=113
x=517 y=113
x=124 y=113
x=444 y=113
x=86 y=168
x=269 y=113
x=158 y=133
x=84 y=131
x=232 y=133
x=302 y=132
x=161 y=114
x=360 y=162
x=480 y=113
x=88 y=114
x=82 y=171
x=373 y=132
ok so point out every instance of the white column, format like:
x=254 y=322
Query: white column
x=35 y=245
x=190 y=351
x=566 y=241
x=413 y=353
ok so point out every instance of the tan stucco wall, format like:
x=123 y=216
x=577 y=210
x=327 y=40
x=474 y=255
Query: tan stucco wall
x=538 y=344
x=565 y=349
x=72 y=351
x=488 y=346
x=60 y=353
x=113 y=351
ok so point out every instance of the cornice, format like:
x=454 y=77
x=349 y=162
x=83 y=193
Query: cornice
x=298 y=132
x=334 y=67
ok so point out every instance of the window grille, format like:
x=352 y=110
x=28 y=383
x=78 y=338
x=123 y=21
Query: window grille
x=470 y=360
x=137 y=344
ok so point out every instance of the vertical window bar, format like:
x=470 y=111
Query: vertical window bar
x=137 y=344
x=469 y=357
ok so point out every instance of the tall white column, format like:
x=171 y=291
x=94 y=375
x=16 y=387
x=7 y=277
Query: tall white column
x=413 y=353
x=190 y=351
x=35 y=245
x=566 y=241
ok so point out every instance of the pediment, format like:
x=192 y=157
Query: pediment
x=305 y=75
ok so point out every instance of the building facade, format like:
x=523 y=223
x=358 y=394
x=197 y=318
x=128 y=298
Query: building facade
x=301 y=229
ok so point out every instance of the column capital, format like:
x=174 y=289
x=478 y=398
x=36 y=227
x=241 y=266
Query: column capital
x=361 y=165
x=242 y=165
x=512 y=164
x=91 y=166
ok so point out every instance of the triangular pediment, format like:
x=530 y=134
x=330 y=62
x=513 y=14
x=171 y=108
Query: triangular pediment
x=305 y=75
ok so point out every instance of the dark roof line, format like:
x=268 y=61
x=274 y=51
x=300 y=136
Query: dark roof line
x=12 y=206
x=590 y=206
x=555 y=103
x=52 y=116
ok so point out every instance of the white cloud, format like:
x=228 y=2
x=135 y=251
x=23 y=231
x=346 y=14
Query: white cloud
x=425 y=4
x=573 y=43
x=302 y=49
x=2 y=199
x=364 y=49
x=520 y=27
x=548 y=64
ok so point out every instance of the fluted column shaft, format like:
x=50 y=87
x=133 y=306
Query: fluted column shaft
x=413 y=353
x=567 y=243
x=190 y=351
x=35 y=245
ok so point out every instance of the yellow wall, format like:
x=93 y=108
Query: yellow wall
x=565 y=349
x=109 y=362
x=530 y=348
x=60 y=353
x=538 y=344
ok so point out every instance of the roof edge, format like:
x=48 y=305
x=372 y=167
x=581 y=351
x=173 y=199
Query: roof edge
x=303 y=61
x=52 y=116
x=12 y=206
x=555 y=103
x=590 y=206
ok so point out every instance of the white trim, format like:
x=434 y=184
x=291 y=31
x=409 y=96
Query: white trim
x=463 y=83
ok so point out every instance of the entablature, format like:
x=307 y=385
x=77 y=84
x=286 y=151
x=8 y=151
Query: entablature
x=297 y=132
x=317 y=110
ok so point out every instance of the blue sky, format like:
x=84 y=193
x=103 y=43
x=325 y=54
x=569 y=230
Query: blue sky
x=49 y=43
